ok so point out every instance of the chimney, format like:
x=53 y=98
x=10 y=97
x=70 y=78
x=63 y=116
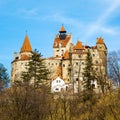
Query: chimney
x=15 y=55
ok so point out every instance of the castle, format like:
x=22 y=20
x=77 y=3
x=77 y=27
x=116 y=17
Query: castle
x=68 y=60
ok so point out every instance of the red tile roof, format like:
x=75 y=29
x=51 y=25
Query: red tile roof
x=63 y=43
x=26 y=47
x=100 y=41
x=24 y=57
x=62 y=29
x=66 y=55
x=78 y=46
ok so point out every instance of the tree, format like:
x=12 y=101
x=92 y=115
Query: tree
x=4 y=78
x=89 y=77
x=114 y=66
x=36 y=72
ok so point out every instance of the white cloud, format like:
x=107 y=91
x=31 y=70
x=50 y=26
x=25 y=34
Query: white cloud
x=99 y=25
x=28 y=12
x=63 y=19
x=110 y=31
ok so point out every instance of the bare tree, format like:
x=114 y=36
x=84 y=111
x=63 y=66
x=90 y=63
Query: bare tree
x=114 y=66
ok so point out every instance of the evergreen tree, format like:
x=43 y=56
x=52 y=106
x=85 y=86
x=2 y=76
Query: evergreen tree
x=4 y=78
x=89 y=77
x=36 y=73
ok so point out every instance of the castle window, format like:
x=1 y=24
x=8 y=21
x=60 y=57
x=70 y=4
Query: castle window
x=63 y=65
x=76 y=79
x=79 y=56
x=76 y=63
x=93 y=55
x=76 y=72
x=96 y=62
x=93 y=86
x=57 y=89
x=82 y=63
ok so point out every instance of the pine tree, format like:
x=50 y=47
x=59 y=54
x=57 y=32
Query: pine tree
x=4 y=78
x=36 y=73
x=89 y=77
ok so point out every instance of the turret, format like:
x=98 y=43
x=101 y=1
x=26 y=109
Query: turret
x=62 y=33
x=21 y=59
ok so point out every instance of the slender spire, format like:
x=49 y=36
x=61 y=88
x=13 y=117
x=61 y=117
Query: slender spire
x=26 y=47
x=62 y=30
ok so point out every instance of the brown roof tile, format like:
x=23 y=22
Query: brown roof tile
x=25 y=57
x=78 y=46
x=62 y=29
x=26 y=47
x=66 y=55
x=63 y=43
x=100 y=41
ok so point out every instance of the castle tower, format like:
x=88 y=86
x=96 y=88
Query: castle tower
x=62 y=43
x=102 y=49
x=21 y=59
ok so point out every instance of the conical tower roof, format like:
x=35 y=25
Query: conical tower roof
x=26 y=47
x=100 y=41
x=62 y=29
x=78 y=46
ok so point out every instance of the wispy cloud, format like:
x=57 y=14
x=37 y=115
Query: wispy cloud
x=58 y=17
x=28 y=12
x=99 y=25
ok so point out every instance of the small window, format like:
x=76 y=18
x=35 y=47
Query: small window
x=76 y=72
x=93 y=86
x=79 y=56
x=96 y=62
x=76 y=79
x=82 y=63
x=93 y=55
x=57 y=89
x=63 y=65
x=76 y=63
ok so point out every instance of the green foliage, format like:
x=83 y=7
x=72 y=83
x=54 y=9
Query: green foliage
x=89 y=77
x=36 y=70
x=89 y=74
x=4 y=78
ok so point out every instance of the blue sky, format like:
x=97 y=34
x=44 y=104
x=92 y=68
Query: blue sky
x=42 y=19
